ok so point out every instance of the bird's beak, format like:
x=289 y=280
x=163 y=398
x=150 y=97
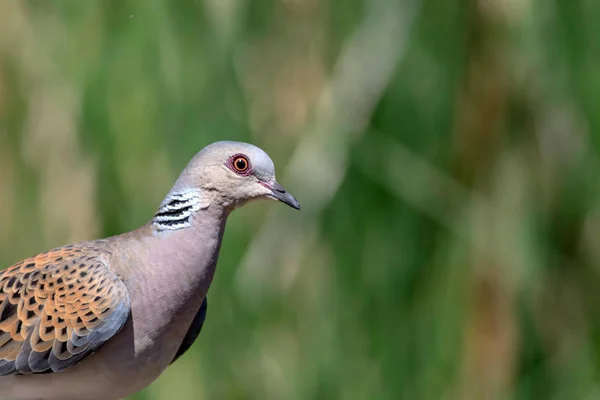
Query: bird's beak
x=279 y=193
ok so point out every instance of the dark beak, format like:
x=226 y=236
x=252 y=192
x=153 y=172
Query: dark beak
x=279 y=193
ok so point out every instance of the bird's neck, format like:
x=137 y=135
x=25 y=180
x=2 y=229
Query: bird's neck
x=188 y=227
x=168 y=273
x=182 y=244
x=190 y=251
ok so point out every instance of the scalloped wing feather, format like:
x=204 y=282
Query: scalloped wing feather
x=57 y=308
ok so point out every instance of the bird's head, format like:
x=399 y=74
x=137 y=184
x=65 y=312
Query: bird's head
x=234 y=173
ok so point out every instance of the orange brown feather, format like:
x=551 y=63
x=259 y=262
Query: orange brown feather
x=58 y=307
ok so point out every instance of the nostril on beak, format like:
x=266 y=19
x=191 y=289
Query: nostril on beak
x=277 y=187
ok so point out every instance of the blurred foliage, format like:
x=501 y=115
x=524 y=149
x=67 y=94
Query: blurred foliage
x=447 y=244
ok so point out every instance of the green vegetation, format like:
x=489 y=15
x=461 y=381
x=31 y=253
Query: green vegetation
x=445 y=154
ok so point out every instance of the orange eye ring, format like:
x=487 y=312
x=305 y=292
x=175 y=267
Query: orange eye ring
x=240 y=164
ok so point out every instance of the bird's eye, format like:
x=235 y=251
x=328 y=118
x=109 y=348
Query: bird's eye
x=241 y=164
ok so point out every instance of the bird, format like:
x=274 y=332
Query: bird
x=102 y=319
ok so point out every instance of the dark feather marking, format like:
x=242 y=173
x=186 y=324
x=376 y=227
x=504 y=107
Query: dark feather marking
x=193 y=332
x=173 y=213
x=175 y=222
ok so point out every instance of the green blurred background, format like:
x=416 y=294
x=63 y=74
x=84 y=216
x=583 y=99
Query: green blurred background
x=446 y=155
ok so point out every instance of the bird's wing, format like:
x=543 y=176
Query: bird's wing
x=193 y=332
x=57 y=308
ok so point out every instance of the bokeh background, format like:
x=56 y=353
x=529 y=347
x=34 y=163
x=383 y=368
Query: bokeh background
x=446 y=155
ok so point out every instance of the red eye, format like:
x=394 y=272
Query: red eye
x=240 y=164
